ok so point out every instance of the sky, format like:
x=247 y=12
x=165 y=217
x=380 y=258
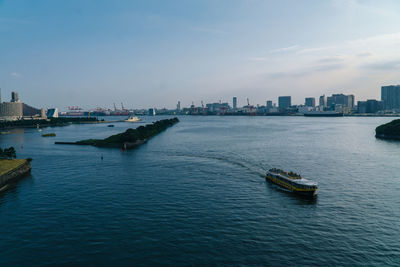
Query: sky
x=150 y=53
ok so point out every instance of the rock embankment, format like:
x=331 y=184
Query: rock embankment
x=129 y=139
x=12 y=170
x=389 y=131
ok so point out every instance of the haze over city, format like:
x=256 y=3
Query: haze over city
x=154 y=53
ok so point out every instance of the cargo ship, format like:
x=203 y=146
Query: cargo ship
x=323 y=114
x=292 y=182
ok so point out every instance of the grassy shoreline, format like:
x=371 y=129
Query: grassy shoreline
x=7 y=165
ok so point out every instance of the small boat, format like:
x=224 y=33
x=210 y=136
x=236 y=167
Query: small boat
x=292 y=181
x=110 y=125
x=49 y=135
x=132 y=119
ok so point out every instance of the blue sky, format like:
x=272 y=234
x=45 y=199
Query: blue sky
x=154 y=53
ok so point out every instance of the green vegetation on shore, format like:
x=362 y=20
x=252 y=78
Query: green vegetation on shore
x=46 y=122
x=389 y=130
x=131 y=138
x=7 y=165
x=7 y=153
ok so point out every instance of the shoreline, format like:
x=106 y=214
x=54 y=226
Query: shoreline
x=53 y=125
x=21 y=168
x=130 y=139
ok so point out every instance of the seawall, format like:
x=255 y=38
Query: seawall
x=15 y=173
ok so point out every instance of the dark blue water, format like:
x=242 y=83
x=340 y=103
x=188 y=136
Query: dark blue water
x=195 y=195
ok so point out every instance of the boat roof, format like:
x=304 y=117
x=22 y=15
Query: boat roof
x=302 y=180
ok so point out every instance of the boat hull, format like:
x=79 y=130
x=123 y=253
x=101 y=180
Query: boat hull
x=323 y=114
x=287 y=186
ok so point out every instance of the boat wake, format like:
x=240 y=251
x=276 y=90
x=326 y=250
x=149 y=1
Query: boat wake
x=254 y=167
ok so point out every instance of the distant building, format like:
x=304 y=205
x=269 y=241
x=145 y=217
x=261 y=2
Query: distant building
x=284 y=102
x=30 y=111
x=304 y=109
x=234 y=103
x=322 y=101
x=178 y=106
x=269 y=104
x=52 y=113
x=152 y=111
x=14 y=97
x=43 y=114
x=217 y=107
x=310 y=101
x=346 y=101
x=369 y=106
x=11 y=110
x=362 y=107
x=390 y=95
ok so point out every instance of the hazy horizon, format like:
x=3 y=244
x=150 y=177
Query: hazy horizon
x=155 y=53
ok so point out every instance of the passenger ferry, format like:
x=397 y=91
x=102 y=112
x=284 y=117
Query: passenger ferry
x=132 y=119
x=292 y=181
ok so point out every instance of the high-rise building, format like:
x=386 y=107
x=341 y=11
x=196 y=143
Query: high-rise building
x=284 y=102
x=11 y=110
x=234 y=102
x=322 y=101
x=52 y=113
x=310 y=101
x=390 y=95
x=362 y=107
x=14 y=97
x=341 y=99
x=152 y=111
x=369 y=106
x=178 y=106
x=269 y=104
x=0 y=95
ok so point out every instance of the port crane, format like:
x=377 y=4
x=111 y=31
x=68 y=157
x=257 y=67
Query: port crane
x=123 y=108
x=250 y=107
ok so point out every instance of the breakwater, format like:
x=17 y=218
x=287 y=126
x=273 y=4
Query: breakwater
x=129 y=139
x=389 y=131
x=13 y=169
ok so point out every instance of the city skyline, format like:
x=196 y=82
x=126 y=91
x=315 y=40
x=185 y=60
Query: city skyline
x=155 y=53
x=233 y=102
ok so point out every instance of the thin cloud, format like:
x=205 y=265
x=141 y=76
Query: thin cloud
x=15 y=74
x=331 y=59
x=316 y=49
x=365 y=54
x=330 y=67
x=287 y=74
x=285 y=49
x=383 y=65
